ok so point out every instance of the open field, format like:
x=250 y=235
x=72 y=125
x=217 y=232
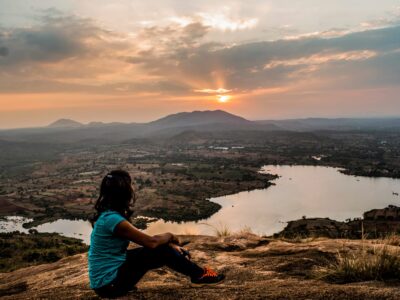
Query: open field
x=174 y=177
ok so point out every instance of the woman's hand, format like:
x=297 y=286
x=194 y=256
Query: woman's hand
x=180 y=250
x=174 y=240
x=177 y=248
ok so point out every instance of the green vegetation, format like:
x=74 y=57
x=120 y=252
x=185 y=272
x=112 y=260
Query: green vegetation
x=18 y=250
x=381 y=262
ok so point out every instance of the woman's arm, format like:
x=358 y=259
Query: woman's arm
x=126 y=230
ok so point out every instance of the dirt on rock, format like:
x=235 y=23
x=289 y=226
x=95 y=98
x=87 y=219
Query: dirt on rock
x=255 y=268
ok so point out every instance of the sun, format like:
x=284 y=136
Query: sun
x=223 y=98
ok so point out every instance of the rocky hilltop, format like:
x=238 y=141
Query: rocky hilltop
x=256 y=268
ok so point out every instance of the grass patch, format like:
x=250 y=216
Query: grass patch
x=392 y=239
x=223 y=230
x=245 y=230
x=381 y=263
x=220 y=230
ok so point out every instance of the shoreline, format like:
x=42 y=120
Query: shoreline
x=142 y=220
x=162 y=199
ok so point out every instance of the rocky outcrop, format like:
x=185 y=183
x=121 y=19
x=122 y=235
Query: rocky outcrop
x=321 y=227
x=256 y=268
x=376 y=223
x=390 y=213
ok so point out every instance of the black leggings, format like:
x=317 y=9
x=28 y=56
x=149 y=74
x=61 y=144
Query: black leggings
x=139 y=261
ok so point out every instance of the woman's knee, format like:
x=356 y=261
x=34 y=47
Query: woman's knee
x=165 y=248
x=166 y=251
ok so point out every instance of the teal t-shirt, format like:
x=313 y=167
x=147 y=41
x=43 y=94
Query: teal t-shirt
x=107 y=252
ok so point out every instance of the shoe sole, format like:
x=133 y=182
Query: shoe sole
x=206 y=284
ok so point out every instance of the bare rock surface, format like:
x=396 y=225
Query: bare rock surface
x=256 y=268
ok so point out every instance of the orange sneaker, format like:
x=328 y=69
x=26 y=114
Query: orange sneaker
x=209 y=277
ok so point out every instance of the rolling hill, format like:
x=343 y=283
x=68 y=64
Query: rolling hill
x=65 y=123
x=211 y=122
x=69 y=131
x=198 y=118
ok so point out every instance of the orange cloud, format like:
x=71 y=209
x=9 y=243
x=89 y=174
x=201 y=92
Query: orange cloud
x=213 y=91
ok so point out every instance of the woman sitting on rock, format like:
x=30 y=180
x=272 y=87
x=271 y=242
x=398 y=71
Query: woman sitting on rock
x=113 y=269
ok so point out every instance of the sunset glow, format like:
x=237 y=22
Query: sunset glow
x=223 y=98
x=127 y=61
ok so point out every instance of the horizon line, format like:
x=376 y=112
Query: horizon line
x=252 y=120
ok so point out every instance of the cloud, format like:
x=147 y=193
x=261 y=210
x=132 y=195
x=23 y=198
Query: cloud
x=4 y=51
x=270 y=64
x=217 y=21
x=211 y=91
x=393 y=19
x=163 y=47
x=59 y=52
x=54 y=39
x=224 y=23
x=170 y=38
x=72 y=54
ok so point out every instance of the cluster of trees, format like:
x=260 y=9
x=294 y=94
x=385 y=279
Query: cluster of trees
x=19 y=250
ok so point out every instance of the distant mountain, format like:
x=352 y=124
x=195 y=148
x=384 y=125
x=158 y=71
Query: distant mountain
x=203 y=121
x=195 y=118
x=65 y=123
x=337 y=124
x=69 y=131
x=188 y=127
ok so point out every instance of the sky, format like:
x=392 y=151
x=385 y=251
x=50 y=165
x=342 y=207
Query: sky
x=136 y=61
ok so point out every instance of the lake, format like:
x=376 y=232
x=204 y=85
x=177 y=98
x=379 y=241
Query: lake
x=299 y=191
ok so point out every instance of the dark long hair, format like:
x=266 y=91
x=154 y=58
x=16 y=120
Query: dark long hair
x=116 y=193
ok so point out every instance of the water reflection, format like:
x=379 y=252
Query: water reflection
x=300 y=191
x=13 y=223
x=72 y=228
